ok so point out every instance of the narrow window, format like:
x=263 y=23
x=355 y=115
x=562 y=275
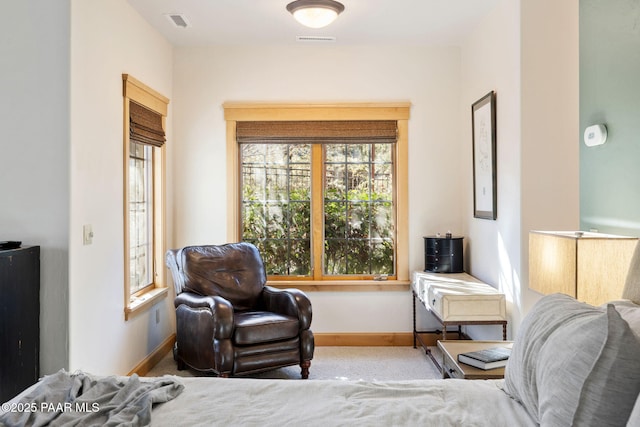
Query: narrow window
x=144 y=157
x=140 y=216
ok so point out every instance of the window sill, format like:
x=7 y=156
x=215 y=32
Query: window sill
x=143 y=302
x=342 y=285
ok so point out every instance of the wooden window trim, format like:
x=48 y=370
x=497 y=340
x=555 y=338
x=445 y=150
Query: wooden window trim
x=134 y=90
x=234 y=112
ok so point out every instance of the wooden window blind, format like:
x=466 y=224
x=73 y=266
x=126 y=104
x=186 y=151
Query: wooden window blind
x=145 y=126
x=330 y=131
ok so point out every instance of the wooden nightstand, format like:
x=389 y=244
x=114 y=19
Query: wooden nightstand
x=451 y=368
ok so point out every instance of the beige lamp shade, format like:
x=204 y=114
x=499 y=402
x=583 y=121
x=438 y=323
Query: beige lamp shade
x=591 y=267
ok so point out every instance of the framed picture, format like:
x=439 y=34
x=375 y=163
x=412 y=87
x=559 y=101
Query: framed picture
x=483 y=123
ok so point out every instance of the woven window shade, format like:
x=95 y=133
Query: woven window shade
x=338 y=132
x=145 y=126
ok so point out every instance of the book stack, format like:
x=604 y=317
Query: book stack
x=489 y=358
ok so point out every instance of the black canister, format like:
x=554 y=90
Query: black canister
x=443 y=254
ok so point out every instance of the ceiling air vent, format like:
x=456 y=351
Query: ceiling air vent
x=178 y=19
x=316 y=39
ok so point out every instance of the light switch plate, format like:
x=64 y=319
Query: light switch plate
x=87 y=234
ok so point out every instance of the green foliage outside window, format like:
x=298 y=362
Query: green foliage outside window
x=358 y=207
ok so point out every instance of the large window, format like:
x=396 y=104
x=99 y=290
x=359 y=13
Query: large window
x=321 y=208
x=144 y=156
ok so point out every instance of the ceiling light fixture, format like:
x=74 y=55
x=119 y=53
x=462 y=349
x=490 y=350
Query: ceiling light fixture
x=315 y=13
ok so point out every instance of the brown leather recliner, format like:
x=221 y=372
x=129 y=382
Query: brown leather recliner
x=228 y=321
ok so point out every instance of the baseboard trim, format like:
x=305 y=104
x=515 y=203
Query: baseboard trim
x=364 y=339
x=156 y=356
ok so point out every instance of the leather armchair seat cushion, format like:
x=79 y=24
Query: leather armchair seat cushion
x=255 y=327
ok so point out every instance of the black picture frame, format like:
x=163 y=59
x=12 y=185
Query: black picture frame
x=483 y=124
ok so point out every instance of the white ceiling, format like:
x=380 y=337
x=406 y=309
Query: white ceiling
x=252 y=22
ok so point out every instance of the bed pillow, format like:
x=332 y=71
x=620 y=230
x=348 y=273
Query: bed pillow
x=574 y=364
x=630 y=312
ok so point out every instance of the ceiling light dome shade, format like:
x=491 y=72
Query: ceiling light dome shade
x=315 y=13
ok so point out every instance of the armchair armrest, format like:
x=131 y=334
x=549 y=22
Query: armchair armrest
x=221 y=311
x=292 y=302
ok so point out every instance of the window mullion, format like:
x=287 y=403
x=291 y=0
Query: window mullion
x=317 y=210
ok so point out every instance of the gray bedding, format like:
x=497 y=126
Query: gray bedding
x=328 y=403
x=210 y=401
x=79 y=399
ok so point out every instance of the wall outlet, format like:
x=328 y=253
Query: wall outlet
x=87 y=234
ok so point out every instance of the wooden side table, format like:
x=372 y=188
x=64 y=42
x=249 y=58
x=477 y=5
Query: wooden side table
x=451 y=368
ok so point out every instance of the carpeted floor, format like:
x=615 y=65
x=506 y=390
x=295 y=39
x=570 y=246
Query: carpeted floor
x=344 y=363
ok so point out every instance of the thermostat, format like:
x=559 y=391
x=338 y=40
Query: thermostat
x=595 y=135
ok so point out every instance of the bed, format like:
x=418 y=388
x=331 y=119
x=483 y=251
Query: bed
x=343 y=403
x=571 y=364
x=259 y=402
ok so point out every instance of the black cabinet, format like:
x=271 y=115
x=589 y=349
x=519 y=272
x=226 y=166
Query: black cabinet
x=443 y=254
x=19 y=320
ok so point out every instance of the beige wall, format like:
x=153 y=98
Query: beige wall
x=527 y=56
x=491 y=61
x=550 y=121
x=527 y=52
x=108 y=38
x=204 y=78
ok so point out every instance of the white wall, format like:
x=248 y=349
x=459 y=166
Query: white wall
x=491 y=62
x=205 y=78
x=550 y=121
x=527 y=52
x=34 y=155
x=520 y=50
x=108 y=38
x=77 y=137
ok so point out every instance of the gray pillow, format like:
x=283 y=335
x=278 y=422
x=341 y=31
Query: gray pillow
x=574 y=364
x=630 y=312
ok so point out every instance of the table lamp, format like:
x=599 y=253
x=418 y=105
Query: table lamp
x=591 y=267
